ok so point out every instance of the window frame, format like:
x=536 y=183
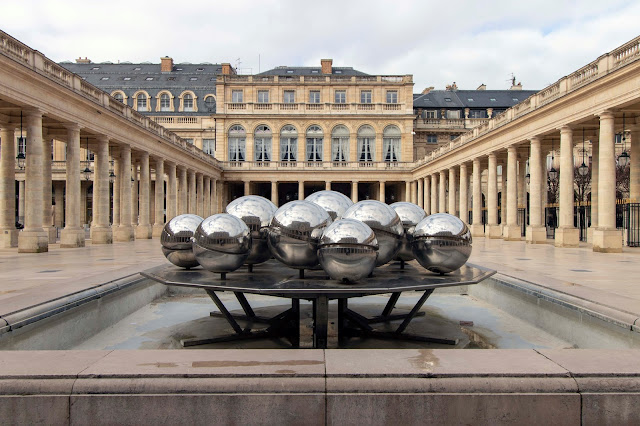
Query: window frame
x=262 y=92
x=364 y=99
x=313 y=99
x=340 y=96
x=392 y=96
x=237 y=96
x=289 y=96
x=314 y=138
x=288 y=143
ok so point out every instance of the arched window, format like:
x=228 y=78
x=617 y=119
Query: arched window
x=366 y=143
x=187 y=102
x=237 y=140
x=118 y=96
x=165 y=102
x=340 y=144
x=391 y=143
x=288 y=143
x=314 y=143
x=210 y=103
x=141 y=100
x=262 y=143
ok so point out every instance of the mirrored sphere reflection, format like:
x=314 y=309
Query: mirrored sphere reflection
x=334 y=202
x=295 y=232
x=410 y=214
x=221 y=243
x=256 y=212
x=441 y=243
x=176 y=240
x=385 y=223
x=348 y=250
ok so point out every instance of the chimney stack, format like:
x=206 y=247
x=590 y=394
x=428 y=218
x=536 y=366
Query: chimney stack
x=83 y=61
x=227 y=69
x=166 y=64
x=482 y=87
x=326 y=65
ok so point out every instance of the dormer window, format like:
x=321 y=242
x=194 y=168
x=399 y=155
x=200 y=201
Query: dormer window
x=314 y=71
x=127 y=78
x=492 y=99
x=289 y=71
x=95 y=68
x=193 y=78
x=200 y=69
x=514 y=99
x=470 y=99
x=104 y=78
x=338 y=71
x=447 y=99
x=137 y=69
x=149 y=78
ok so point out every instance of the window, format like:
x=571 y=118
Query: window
x=341 y=96
x=200 y=69
x=391 y=137
x=187 y=102
x=492 y=99
x=289 y=71
x=288 y=143
x=262 y=144
x=470 y=99
x=431 y=113
x=314 y=143
x=366 y=143
x=314 y=96
x=237 y=140
x=210 y=103
x=447 y=99
x=263 y=96
x=142 y=102
x=338 y=71
x=104 y=78
x=314 y=71
x=127 y=78
x=478 y=113
x=137 y=69
x=453 y=113
x=22 y=145
x=95 y=68
x=452 y=137
x=165 y=102
x=118 y=97
x=340 y=144
x=209 y=146
x=289 y=96
x=431 y=138
x=392 y=96
x=365 y=97
x=514 y=99
x=149 y=78
x=193 y=79
x=236 y=96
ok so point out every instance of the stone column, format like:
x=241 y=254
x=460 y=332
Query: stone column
x=21 y=205
x=493 y=229
x=274 y=192
x=606 y=238
x=172 y=189
x=158 y=226
x=464 y=194
x=407 y=191
x=216 y=192
x=206 y=209
x=8 y=231
x=300 y=190
x=383 y=185
x=116 y=189
x=47 y=204
x=434 y=194
x=634 y=171
x=34 y=238
x=143 y=230
x=183 y=205
x=124 y=232
x=427 y=194
x=522 y=188
x=536 y=231
x=83 y=202
x=327 y=186
x=191 y=181
x=199 y=194
x=354 y=191
x=247 y=187
x=101 y=232
x=135 y=209
x=567 y=235
x=442 y=196
x=58 y=196
x=452 y=191
x=503 y=198
x=420 y=193
x=477 y=230
x=511 y=231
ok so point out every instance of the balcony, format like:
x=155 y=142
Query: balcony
x=316 y=165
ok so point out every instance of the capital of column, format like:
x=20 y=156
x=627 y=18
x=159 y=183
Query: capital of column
x=71 y=126
x=566 y=129
x=32 y=112
x=606 y=115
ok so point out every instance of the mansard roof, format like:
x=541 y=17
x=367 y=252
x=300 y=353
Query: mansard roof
x=311 y=71
x=500 y=99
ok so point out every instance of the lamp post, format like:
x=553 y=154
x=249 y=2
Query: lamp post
x=87 y=171
x=21 y=157
x=624 y=157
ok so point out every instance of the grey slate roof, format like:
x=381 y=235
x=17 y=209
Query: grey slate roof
x=311 y=71
x=471 y=98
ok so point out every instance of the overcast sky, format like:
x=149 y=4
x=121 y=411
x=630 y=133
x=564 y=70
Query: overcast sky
x=469 y=42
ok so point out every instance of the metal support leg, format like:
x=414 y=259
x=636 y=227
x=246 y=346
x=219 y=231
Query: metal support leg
x=391 y=304
x=414 y=311
x=321 y=323
x=245 y=304
x=232 y=322
x=343 y=307
x=294 y=322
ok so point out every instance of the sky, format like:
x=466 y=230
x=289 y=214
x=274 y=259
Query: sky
x=438 y=42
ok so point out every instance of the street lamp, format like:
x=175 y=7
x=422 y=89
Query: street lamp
x=87 y=171
x=112 y=176
x=624 y=157
x=553 y=173
x=21 y=157
x=583 y=170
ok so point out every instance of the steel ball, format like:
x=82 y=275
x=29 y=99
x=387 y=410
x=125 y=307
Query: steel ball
x=256 y=212
x=222 y=243
x=295 y=232
x=335 y=203
x=441 y=243
x=348 y=250
x=176 y=240
x=385 y=223
x=410 y=214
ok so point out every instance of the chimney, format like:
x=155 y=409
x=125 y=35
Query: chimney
x=516 y=86
x=427 y=90
x=166 y=64
x=482 y=87
x=326 y=65
x=227 y=69
x=83 y=61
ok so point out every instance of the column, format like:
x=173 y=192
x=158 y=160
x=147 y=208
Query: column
x=427 y=194
x=135 y=209
x=493 y=229
x=354 y=191
x=101 y=232
x=567 y=235
x=34 y=238
x=172 y=189
x=414 y=186
x=407 y=191
x=158 y=226
x=503 y=199
x=464 y=194
x=191 y=181
x=21 y=205
x=452 y=191
x=8 y=231
x=116 y=189
x=58 y=197
x=143 y=230
x=183 y=192
x=511 y=231
x=199 y=194
x=536 y=231
x=477 y=229
x=634 y=171
x=522 y=189
x=124 y=232
x=206 y=209
x=383 y=185
x=300 y=190
x=420 y=193
x=606 y=238
x=274 y=192
x=247 y=188
x=442 y=196
x=434 y=194
x=327 y=186
x=216 y=192
x=47 y=188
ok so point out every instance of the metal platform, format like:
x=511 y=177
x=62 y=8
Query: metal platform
x=274 y=279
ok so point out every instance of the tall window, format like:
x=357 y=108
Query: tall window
x=314 y=96
x=237 y=140
x=209 y=146
x=236 y=96
x=289 y=97
x=431 y=113
x=118 y=97
x=142 y=102
x=432 y=138
x=340 y=144
x=288 y=143
x=263 y=96
x=314 y=143
x=391 y=143
x=262 y=144
x=365 y=97
x=453 y=113
x=392 y=96
x=341 y=96
x=366 y=143
x=187 y=102
x=165 y=102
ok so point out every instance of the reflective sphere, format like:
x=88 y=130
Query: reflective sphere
x=385 y=223
x=256 y=212
x=348 y=250
x=221 y=243
x=176 y=240
x=410 y=214
x=441 y=243
x=335 y=203
x=295 y=231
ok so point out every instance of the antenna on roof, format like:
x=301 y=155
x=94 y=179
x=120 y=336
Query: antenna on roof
x=512 y=79
x=238 y=62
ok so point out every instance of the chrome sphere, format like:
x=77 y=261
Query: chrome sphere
x=335 y=203
x=410 y=214
x=295 y=232
x=385 y=223
x=222 y=243
x=348 y=250
x=441 y=243
x=176 y=240
x=256 y=212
